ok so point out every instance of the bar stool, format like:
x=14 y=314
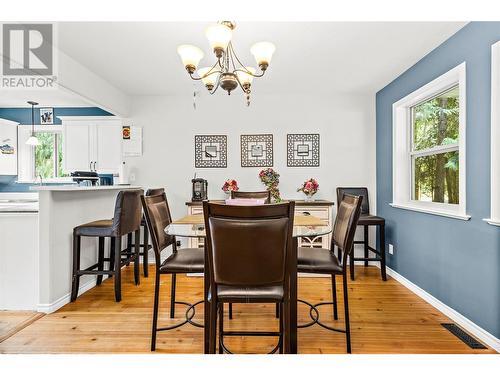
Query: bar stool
x=191 y=260
x=324 y=261
x=237 y=273
x=126 y=219
x=145 y=246
x=365 y=220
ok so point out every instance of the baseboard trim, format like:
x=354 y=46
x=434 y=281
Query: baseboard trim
x=483 y=335
x=49 y=308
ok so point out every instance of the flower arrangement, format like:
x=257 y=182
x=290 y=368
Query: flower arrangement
x=229 y=186
x=309 y=188
x=270 y=178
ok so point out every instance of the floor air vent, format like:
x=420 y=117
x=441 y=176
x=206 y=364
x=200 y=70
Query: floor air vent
x=464 y=336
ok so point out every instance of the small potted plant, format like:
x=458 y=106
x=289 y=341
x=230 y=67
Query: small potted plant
x=309 y=188
x=229 y=186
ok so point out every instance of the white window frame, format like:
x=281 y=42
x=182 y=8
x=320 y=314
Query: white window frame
x=494 y=218
x=26 y=161
x=402 y=128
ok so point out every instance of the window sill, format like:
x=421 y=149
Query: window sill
x=491 y=221
x=430 y=211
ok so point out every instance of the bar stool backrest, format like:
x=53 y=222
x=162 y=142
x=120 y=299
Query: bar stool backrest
x=248 y=245
x=252 y=195
x=158 y=217
x=348 y=212
x=360 y=191
x=156 y=191
x=128 y=212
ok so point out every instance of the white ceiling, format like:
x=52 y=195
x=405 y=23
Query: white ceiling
x=320 y=57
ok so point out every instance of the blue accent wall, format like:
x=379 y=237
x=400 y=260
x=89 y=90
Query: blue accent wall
x=456 y=261
x=23 y=116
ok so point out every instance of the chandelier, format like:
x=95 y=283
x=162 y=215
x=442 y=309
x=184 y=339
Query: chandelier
x=228 y=72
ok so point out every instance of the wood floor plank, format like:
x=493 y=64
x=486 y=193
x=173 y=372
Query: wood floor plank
x=12 y=322
x=385 y=318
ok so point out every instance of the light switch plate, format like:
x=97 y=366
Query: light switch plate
x=391 y=249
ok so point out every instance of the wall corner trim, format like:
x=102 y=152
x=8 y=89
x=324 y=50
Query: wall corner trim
x=468 y=325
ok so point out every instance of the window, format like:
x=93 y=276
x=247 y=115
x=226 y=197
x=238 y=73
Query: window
x=44 y=162
x=429 y=147
x=435 y=150
x=49 y=155
x=494 y=218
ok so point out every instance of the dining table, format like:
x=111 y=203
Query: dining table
x=304 y=226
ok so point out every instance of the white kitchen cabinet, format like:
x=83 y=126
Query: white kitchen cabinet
x=77 y=147
x=8 y=147
x=92 y=143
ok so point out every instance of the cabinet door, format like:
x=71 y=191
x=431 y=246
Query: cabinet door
x=77 y=147
x=108 y=147
x=8 y=148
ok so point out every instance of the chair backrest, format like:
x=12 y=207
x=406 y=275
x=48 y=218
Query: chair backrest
x=252 y=194
x=128 y=212
x=248 y=245
x=156 y=191
x=358 y=191
x=348 y=212
x=158 y=217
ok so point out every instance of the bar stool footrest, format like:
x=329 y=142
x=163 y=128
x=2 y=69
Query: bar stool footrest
x=187 y=319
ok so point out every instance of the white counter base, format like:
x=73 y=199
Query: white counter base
x=60 y=211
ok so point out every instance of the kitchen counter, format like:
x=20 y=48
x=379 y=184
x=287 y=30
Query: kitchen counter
x=61 y=208
x=18 y=202
x=82 y=188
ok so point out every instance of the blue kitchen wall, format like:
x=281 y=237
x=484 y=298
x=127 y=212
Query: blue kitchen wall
x=456 y=261
x=23 y=116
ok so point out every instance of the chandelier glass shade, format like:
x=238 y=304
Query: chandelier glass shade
x=228 y=72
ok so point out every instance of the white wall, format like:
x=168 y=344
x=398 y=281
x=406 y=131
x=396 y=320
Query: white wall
x=346 y=126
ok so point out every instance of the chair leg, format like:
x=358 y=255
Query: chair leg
x=334 y=298
x=100 y=259
x=281 y=310
x=155 y=312
x=112 y=243
x=351 y=263
x=365 y=227
x=277 y=310
x=346 y=313
x=382 y=251
x=76 y=267
x=230 y=311
x=213 y=325
x=118 y=269
x=129 y=248
x=145 y=256
x=172 y=296
x=137 y=272
x=221 y=326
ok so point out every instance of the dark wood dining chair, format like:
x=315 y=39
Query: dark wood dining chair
x=324 y=261
x=247 y=249
x=188 y=260
x=251 y=195
x=145 y=246
x=366 y=220
x=126 y=219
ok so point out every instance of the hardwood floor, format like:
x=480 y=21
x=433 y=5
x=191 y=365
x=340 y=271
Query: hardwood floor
x=12 y=322
x=385 y=318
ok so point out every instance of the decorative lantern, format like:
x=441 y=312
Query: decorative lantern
x=200 y=189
